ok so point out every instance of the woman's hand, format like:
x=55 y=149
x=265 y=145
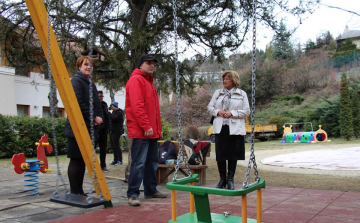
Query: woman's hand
x=221 y=113
x=227 y=114
x=224 y=114
x=98 y=120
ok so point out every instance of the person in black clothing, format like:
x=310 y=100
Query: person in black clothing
x=103 y=130
x=116 y=130
x=81 y=85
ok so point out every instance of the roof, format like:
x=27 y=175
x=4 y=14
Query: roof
x=353 y=34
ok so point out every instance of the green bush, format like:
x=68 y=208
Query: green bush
x=294 y=99
x=8 y=138
x=327 y=115
x=19 y=134
x=165 y=127
x=279 y=121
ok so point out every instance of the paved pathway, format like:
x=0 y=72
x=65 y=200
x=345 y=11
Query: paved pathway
x=280 y=205
x=290 y=205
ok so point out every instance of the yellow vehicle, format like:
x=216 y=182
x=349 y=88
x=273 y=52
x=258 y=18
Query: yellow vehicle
x=262 y=132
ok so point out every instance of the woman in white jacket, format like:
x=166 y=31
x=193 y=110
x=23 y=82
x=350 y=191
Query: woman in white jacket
x=230 y=108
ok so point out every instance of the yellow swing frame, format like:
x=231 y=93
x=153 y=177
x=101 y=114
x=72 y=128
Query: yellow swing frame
x=39 y=18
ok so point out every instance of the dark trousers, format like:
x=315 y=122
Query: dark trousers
x=102 y=141
x=115 y=145
x=144 y=163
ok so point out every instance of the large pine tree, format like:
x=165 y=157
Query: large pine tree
x=356 y=111
x=346 y=128
x=124 y=30
x=282 y=47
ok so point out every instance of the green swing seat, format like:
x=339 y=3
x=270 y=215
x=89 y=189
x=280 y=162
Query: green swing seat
x=202 y=205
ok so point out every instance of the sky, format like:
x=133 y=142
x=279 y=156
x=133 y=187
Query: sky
x=323 y=19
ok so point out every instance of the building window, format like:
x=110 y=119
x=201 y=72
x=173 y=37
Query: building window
x=22 y=110
x=22 y=71
x=46 y=112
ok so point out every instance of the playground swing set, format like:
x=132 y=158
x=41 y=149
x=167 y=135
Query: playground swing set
x=58 y=75
x=198 y=194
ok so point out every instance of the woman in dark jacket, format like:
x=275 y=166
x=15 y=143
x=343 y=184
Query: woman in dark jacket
x=81 y=85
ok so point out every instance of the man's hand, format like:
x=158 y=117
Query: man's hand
x=98 y=120
x=149 y=132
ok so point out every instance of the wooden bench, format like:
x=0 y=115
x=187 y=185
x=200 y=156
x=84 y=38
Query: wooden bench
x=164 y=171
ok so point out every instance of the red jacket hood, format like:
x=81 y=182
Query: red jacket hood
x=137 y=71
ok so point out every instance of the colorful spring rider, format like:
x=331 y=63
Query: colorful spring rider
x=32 y=167
x=304 y=137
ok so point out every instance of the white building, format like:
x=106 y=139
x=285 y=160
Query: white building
x=28 y=95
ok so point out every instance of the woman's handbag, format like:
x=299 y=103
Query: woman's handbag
x=212 y=119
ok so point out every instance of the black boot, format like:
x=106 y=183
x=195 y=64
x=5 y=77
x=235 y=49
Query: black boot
x=222 y=172
x=231 y=172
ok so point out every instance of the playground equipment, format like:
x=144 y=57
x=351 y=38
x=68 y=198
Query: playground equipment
x=59 y=75
x=304 y=137
x=198 y=194
x=32 y=167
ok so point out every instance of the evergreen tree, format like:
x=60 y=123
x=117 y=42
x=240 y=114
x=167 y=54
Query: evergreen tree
x=124 y=30
x=324 y=39
x=356 y=112
x=282 y=47
x=310 y=45
x=346 y=121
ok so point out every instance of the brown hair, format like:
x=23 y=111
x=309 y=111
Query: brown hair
x=234 y=76
x=81 y=60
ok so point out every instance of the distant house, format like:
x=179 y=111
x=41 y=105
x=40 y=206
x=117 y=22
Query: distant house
x=354 y=35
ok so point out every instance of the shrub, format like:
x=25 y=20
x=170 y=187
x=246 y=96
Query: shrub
x=279 y=121
x=203 y=136
x=192 y=132
x=294 y=99
x=174 y=134
x=28 y=130
x=165 y=127
x=8 y=138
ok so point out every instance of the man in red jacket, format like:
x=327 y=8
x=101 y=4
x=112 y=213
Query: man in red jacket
x=144 y=127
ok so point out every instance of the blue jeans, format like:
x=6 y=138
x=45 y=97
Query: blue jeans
x=144 y=163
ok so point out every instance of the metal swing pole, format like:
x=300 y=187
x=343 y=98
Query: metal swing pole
x=38 y=15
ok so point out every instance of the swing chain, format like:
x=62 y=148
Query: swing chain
x=91 y=100
x=180 y=154
x=252 y=152
x=52 y=107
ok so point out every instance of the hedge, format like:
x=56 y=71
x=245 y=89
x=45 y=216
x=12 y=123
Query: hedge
x=19 y=134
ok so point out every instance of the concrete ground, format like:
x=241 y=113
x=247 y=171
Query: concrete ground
x=16 y=206
x=279 y=205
